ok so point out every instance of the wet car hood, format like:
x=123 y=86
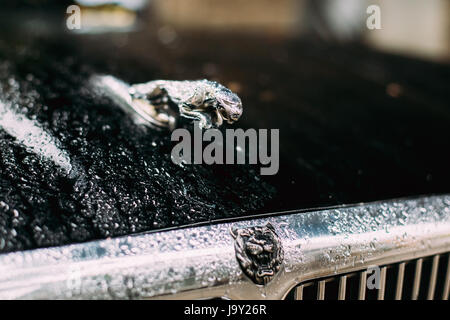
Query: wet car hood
x=355 y=125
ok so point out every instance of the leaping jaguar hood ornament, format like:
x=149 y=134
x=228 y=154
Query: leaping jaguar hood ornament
x=161 y=102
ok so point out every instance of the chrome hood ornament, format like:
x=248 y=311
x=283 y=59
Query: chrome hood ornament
x=259 y=252
x=160 y=102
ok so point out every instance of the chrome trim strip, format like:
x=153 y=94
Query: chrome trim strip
x=200 y=262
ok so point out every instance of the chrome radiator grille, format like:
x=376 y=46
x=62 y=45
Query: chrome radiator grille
x=425 y=278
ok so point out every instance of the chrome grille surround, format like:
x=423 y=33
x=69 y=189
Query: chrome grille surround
x=200 y=262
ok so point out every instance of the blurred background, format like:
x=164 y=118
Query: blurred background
x=417 y=28
x=411 y=27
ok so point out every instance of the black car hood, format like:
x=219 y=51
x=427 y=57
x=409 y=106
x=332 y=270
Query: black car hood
x=355 y=126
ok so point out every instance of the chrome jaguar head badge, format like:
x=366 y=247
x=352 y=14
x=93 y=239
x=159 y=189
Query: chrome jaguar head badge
x=259 y=252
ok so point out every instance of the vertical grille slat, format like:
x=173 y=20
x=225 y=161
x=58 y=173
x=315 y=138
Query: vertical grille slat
x=299 y=292
x=419 y=279
x=382 y=284
x=321 y=290
x=446 y=290
x=342 y=287
x=362 y=285
x=417 y=275
x=434 y=270
x=400 y=277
